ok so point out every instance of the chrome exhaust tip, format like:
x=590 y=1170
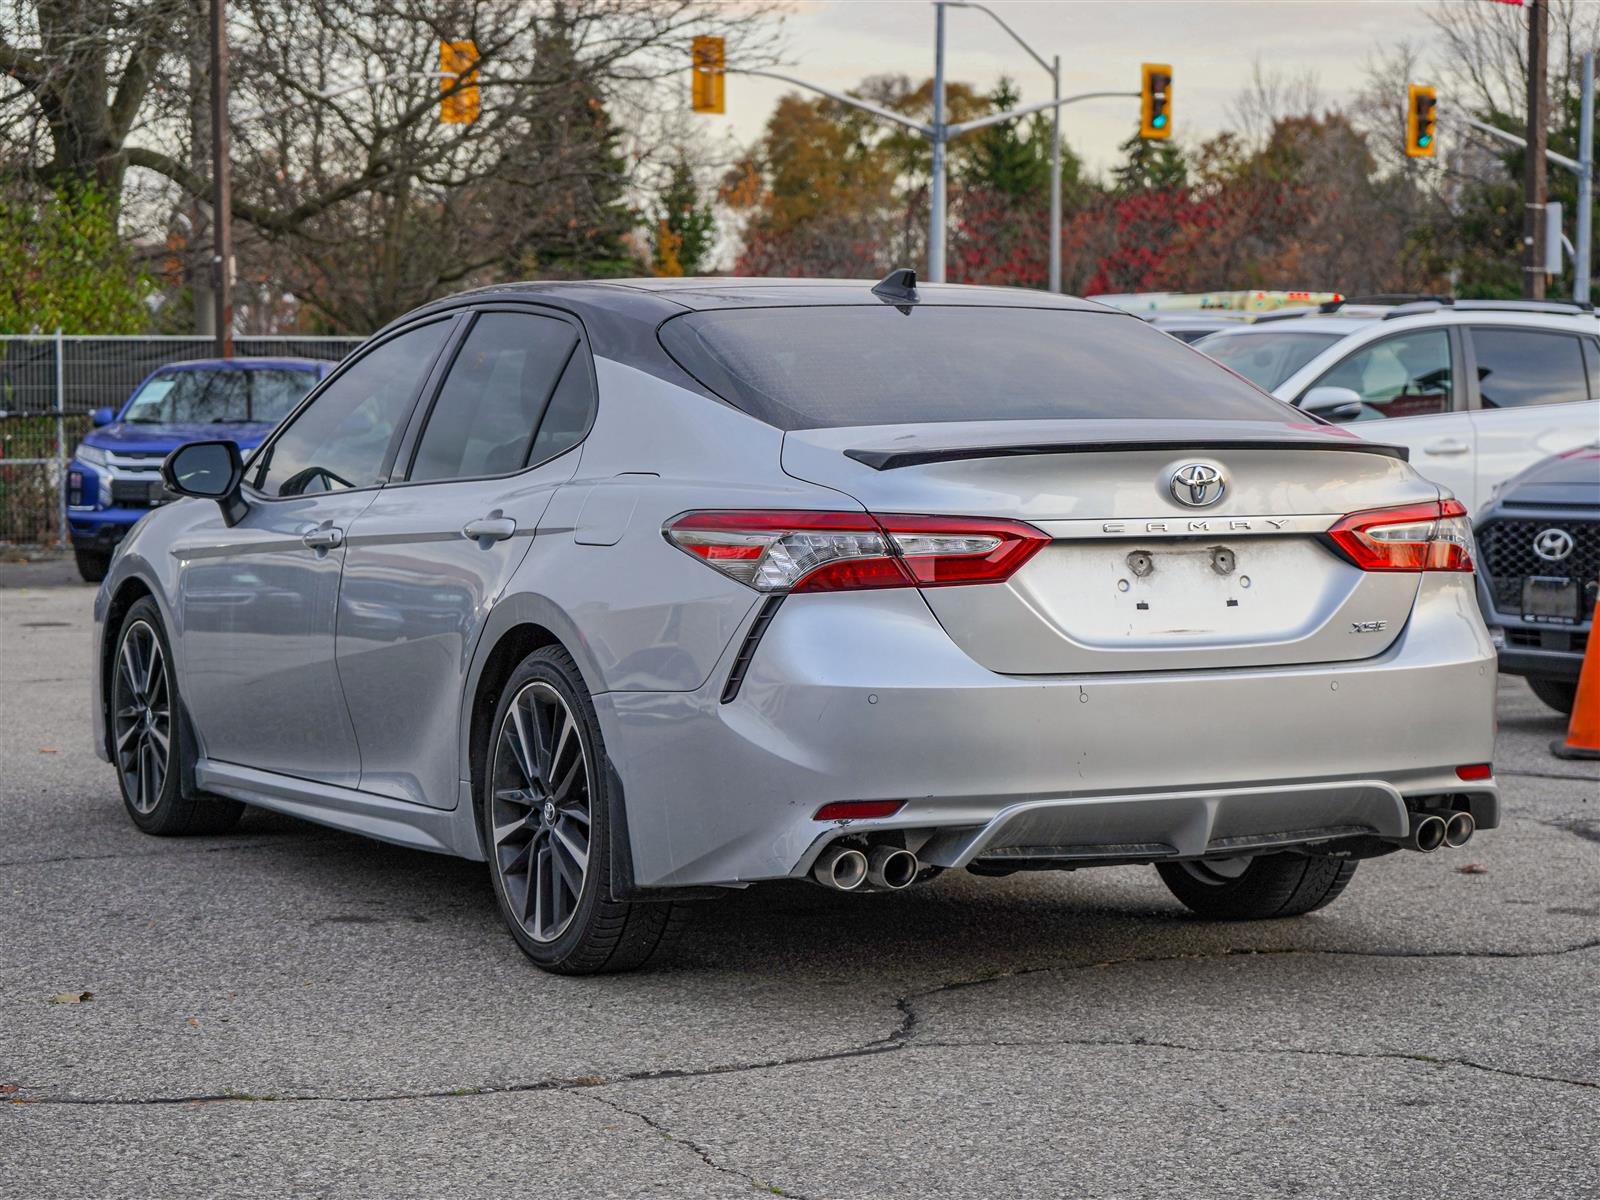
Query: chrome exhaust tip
x=892 y=867
x=842 y=868
x=1427 y=833
x=1458 y=829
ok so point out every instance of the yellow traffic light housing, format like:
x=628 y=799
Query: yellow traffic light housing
x=1155 y=102
x=708 y=61
x=458 y=83
x=1421 y=101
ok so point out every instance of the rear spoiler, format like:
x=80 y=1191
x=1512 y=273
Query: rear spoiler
x=889 y=460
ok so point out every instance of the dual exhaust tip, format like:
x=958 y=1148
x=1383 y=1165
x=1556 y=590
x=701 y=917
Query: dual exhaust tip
x=1431 y=831
x=848 y=869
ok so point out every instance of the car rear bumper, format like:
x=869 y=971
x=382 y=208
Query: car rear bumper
x=862 y=696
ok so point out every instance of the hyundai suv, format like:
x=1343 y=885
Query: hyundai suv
x=1475 y=390
x=645 y=591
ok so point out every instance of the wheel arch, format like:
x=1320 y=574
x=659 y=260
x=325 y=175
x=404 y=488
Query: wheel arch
x=128 y=593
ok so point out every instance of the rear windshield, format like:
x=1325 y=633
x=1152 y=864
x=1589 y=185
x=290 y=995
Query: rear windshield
x=262 y=395
x=1266 y=358
x=818 y=367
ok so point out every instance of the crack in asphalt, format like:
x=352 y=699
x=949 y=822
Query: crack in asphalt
x=898 y=1038
x=295 y=839
x=1589 y=831
x=1546 y=775
x=695 y=1148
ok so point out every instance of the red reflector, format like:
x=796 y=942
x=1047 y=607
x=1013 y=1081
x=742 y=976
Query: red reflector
x=858 y=810
x=1475 y=771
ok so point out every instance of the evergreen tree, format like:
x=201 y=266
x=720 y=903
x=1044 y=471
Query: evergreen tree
x=1004 y=159
x=685 y=229
x=1150 y=166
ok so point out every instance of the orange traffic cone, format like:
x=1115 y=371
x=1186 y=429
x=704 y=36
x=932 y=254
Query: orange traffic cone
x=1583 y=733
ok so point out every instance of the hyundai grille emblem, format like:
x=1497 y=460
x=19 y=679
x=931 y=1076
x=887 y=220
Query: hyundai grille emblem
x=1553 y=545
x=1197 y=484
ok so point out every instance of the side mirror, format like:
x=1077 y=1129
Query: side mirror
x=209 y=471
x=1333 y=403
x=102 y=416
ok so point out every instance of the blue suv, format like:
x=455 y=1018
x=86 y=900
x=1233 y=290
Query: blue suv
x=115 y=474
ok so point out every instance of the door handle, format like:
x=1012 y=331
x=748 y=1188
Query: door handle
x=323 y=538
x=1447 y=446
x=489 y=529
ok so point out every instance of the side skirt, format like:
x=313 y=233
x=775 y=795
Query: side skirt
x=380 y=817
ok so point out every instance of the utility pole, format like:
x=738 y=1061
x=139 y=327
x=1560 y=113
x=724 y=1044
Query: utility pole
x=222 y=200
x=936 y=187
x=1582 y=267
x=1055 y=178
x=1535 y=187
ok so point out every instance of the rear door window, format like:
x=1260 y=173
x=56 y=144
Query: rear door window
x=497 y=390
x=1518 y=368
x=825 y=366
x=1267 y=358
x=1403 y=376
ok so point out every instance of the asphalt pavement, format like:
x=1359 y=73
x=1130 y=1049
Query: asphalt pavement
x=292 y=1011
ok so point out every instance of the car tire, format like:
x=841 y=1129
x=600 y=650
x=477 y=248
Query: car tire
x=1559 y=694
x=92 y=564
x=1255 y=889
x=546 y=818
x=146 y=737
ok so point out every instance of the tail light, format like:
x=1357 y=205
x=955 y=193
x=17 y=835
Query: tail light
x=804 y=551
x=1415 y=537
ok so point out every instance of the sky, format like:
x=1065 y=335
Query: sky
x=1211 y=44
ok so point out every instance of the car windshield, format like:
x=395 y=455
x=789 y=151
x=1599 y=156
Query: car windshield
x=825 y=366
x=228 y=396
x=1266 y=357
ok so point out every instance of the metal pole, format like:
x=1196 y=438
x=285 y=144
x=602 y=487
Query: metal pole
x=222 y=203
x=1055 y=181
x=1535 y=180
x=936 y=189
x=1582 y=262
x=61 y=441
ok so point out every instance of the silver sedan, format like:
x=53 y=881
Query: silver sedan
x=642 y=591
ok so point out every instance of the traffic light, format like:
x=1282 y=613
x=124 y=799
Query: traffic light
x=1155 y=103
x=708 y=77
x=1421 y=101
x=458 y=68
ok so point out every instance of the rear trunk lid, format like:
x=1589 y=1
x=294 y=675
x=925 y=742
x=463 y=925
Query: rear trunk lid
x=1135 y=578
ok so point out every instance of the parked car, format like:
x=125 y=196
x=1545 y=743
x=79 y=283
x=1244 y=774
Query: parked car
x=1539 y=568
x=646 y=590
x=1476 y=390
x=1191 y=327
x=115 y=474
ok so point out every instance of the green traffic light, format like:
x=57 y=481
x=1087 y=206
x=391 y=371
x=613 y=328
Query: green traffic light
x=1159 y=121
x=1425 y=139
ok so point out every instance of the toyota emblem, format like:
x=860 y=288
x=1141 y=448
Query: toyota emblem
x=1553 y=545
x=1197 y=484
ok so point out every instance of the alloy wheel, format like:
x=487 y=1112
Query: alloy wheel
x=540 y=814
x=143 y=721
x=1217 y=871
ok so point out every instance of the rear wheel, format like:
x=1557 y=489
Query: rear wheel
x=92 y=564
x=145 y=741
x=546 y=814
x=1559 y=694
x=1253 y=889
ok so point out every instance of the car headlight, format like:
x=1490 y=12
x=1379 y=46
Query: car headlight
x=90 y=454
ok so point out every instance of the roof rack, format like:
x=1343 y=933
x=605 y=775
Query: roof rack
x=1570 y=308
x=1384 y=299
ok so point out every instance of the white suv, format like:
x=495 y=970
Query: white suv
x=1477 y=390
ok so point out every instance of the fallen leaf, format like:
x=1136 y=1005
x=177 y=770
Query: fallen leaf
x=71 y=997
x=1472 y=869
x=195 y=1023
x=47 y=750
x=7 y=1088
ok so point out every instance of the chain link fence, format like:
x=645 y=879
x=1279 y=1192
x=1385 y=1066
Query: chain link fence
x=49 y=386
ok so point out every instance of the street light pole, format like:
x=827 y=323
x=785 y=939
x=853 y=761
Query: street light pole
x=1582 y=265
x=1535 y=186
x=222 y=201
x=1055 y=179
x=936 y=186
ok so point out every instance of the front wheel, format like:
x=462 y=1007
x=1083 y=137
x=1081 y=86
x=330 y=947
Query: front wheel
x=1256 y=888
x=545 y=806
x=1559 y=694
x=92 y=564
x=145 y=742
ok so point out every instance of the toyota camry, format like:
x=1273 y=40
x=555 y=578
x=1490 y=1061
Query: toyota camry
x=643 y=591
